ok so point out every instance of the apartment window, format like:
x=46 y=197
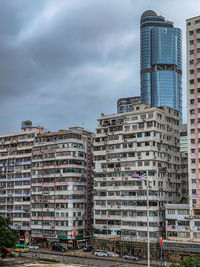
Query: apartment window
x=139 y=135
x=198 y=41
x=127 y=128
x=197 y=223
x=149 y=124
x=198 y=30
x=183 y=212
x=150 y=115
x=134 y=126
x=147 y=134
x=170 y=233
x=183 y=223
x=183 y=234
x=171 y=222
x=170 y=211
x=191 y=32
x=197 y=21
x=134 y=118
x=196 y=235
x=191 y=52
x=143 y=116
x=191 y=42
x=191 y=71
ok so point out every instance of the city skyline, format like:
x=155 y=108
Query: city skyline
x=57 y=63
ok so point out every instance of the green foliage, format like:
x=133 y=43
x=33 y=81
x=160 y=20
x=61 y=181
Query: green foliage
x=189 y=262
x=8 y=236
x=49 y=260
x=12 y=255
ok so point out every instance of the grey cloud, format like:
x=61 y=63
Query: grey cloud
x=64 y=62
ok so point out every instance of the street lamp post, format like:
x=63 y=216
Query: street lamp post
x=148 y=243
x=146 y=178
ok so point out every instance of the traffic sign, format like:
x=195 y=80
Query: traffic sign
x=74 y=233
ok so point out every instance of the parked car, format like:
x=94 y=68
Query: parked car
x=34 y=247
x=112 y=254
x=130 y=257
x=101 y=253
x=88 y=248
x=58 y=247
x=21 y=248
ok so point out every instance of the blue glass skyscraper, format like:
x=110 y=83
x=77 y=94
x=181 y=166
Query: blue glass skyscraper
x=160 y=61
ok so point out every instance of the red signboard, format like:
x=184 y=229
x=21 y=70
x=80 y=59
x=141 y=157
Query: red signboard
x=161 y=241
x=74 y=233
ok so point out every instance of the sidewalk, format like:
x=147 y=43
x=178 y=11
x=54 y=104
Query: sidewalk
x=15 y=262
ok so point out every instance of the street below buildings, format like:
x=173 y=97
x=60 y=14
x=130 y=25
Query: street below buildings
x=73 y=259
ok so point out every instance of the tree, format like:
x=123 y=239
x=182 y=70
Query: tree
x=8 y=236
x=189 y=262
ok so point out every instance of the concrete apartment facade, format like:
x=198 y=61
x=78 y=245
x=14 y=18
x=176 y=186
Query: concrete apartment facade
x=61 y=186
x=182 y=232
x=15 y=178
x=193 y=84
x=46 y=184
x=144 y=141
x=184 y=164
x=182 y=242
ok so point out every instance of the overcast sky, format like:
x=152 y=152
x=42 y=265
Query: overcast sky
x=64 y=62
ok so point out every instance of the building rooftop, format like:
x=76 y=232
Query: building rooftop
x=148 y=13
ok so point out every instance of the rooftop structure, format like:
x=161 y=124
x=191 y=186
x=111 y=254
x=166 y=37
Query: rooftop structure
x=127 y=104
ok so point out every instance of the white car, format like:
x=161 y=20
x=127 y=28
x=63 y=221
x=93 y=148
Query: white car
x=112 y=254
x=33 y=247
x=130 y=257
x=101 y=253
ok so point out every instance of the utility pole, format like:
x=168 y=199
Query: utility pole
x=148 y=244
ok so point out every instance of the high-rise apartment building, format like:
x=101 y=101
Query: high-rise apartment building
x=193 y=100
x=183 y=221
x=160 y=62
x=46 y=183
x=144 y=141
x=61 y=186
x=15 y=178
